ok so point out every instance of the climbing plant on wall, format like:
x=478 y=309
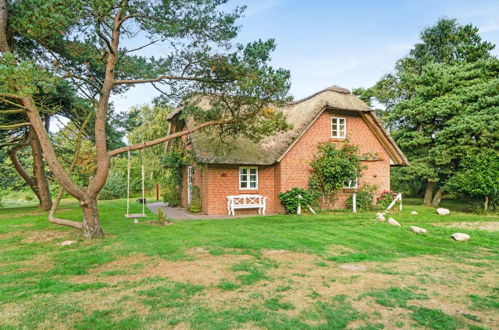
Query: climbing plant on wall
x=332 y=166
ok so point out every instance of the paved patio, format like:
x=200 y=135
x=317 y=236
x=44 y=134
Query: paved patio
x=179 y=213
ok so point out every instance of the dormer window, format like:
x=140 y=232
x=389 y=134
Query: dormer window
x=338 y=127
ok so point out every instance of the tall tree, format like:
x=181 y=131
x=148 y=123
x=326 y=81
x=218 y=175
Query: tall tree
x=90 y=44
x=147 y=123
x=12 y=119
x=477 y=177
x=421 y=96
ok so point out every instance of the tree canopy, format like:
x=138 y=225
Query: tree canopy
x=440 y=100
x=92 y=45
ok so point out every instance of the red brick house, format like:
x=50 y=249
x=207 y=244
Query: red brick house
x=280 y=162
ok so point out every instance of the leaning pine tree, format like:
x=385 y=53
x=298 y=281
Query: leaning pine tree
x=94 y=46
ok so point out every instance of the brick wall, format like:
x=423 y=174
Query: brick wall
x=295 y=169
x=223 y=180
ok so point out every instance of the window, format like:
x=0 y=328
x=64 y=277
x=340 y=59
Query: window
x=350 y=184
x=248 y=178
x=338 y=127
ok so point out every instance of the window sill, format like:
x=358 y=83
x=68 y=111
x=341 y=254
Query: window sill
x=372 y=160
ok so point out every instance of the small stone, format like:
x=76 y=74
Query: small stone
x=393 y=222
x=414 y=213
x=460 y=237
x=380 y=216
x=66 y=243
x=357 y=268
x=418 y=230
x=135 y=220
x=442 y=211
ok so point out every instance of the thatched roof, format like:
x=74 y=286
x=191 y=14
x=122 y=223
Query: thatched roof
x=300 y=114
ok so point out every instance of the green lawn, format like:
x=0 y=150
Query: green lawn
x=330 y=271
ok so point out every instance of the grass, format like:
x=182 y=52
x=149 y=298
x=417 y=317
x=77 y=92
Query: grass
x=395 y=297
x=435 y=319
x=266 y=272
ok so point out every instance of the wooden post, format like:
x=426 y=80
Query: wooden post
x=354 y=202
x=157 y=192
x=298 y=210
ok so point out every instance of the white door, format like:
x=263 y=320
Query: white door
x=190 y=177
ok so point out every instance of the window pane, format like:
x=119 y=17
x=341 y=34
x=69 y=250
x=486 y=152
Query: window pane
x=350 y=183
x=243 y=170
x=244 y=178
x=252 y=184
x=252 y=170
x=244 y=184
x=252 y=177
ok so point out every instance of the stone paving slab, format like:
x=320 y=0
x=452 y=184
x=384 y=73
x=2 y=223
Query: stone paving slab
x=179 y=213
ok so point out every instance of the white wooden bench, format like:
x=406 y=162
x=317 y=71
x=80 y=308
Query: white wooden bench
x=246 y=202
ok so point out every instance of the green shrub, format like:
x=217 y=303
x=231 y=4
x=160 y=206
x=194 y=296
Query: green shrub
x=28 y=196
x=292 y=198
x=171 y=196
x=162 y=219
x=174 y=161
x=331 y=167
x=365 y=197
x=115 y=187
x=386 y=198
x=195 y=206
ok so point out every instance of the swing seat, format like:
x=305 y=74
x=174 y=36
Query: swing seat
x=135 y=215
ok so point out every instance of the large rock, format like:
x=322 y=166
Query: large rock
x=66 y=243
x=418 y=230
x=442 y=211
x=460 y=237
x=393 y=222
x=380 y=216
x=414 y=213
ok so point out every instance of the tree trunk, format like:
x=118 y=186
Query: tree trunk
x=486 y=204
x=21 y=171
x=91 y=220
x=438 y=197
x=4 y=14
x=428 y=195
x=39 y=174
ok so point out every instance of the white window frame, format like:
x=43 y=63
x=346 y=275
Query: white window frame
x=338 y=131
x=248 y=181
x=349 y=185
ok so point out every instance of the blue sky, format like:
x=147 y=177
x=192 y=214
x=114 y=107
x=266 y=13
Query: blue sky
x=346 y=43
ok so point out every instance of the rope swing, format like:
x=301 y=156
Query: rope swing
x=134 y=216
